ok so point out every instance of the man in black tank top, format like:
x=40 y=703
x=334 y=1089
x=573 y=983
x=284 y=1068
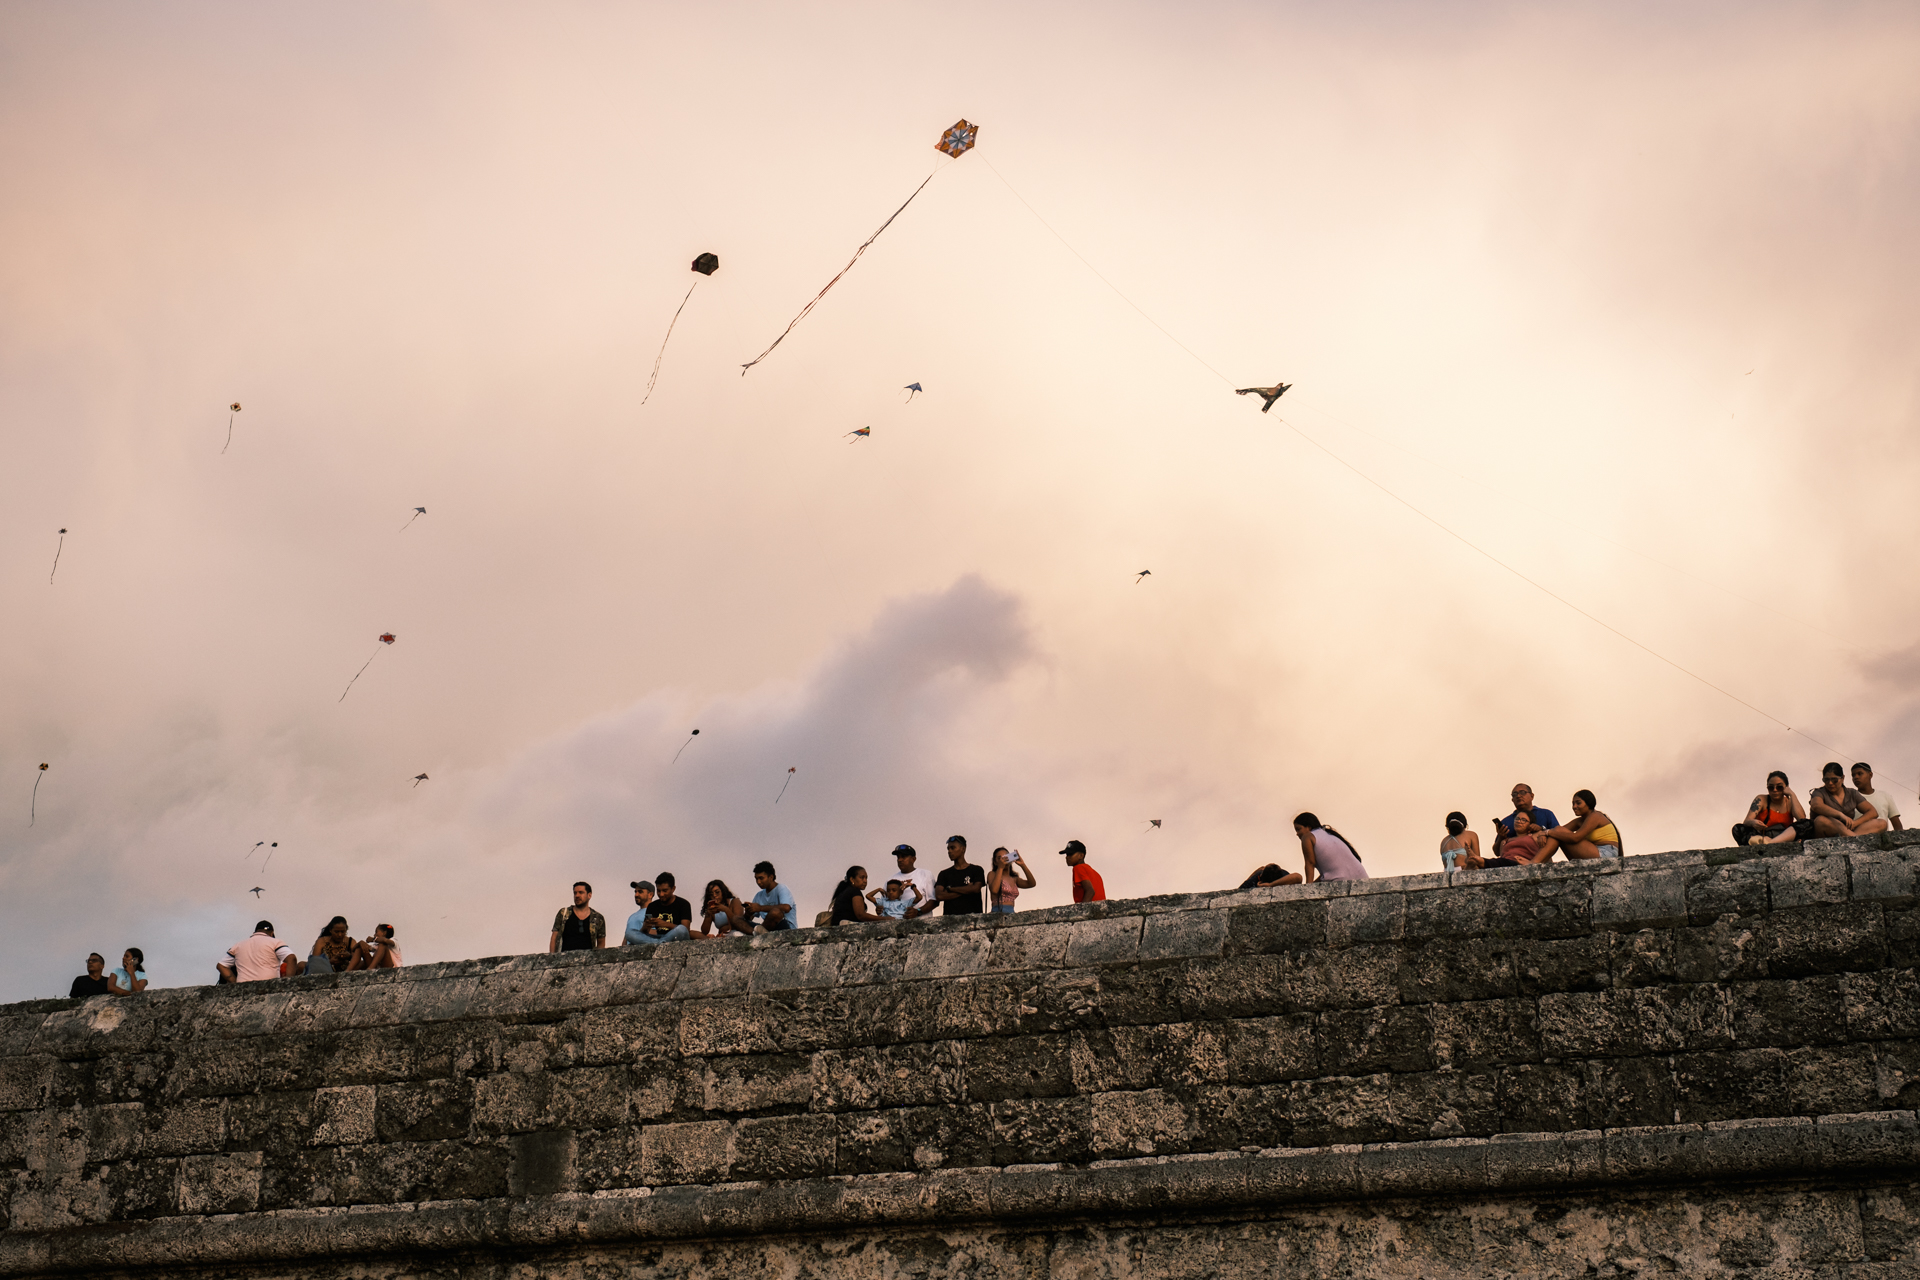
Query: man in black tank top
x=578 y=927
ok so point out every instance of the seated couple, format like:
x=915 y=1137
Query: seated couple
x=1833 y=809
x=1531 y=835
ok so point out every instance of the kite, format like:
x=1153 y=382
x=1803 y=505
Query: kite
x=706 y=264
x=954 y=142
x=419 y=778
x=912 y=389
x=783 y=786
x=58 y=547
x=269 y=861
x=33 y=801
x=860 y=432
x=1144 y=573
x=232 y=409
x=256 y=845
x=256 y=891
x=1153 y=822
x=1269 y=394
x=684 y=745
x=385 y=638
x=417 y=513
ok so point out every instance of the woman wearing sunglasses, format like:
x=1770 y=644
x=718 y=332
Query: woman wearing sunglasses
x=1774 y=817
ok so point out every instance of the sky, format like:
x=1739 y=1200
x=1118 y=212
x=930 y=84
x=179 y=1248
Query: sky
x=1597 y=471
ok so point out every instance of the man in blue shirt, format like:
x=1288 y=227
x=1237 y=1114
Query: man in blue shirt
x=662 y=917
x=772 y=907
x=1543 y=818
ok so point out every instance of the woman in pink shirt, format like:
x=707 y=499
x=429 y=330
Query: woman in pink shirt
x=1328 y=854
x=1007 y=878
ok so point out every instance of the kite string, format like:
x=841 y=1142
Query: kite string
x=843 y=271
x=33 y=804
x=356 y=675
x=663 y=342
x=1390 y=493
x=60 y=546
x=1103 y=279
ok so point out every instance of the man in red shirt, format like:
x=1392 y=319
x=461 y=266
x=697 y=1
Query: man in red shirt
x=1087 y=885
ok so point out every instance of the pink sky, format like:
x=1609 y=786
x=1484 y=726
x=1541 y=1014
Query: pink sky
x=1625 y=295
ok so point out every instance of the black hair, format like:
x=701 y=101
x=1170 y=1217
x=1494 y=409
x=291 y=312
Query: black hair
x=95 y=955
x=855 y=871
x=1778 y=774
x=1456 y=823
x=1862 y=764
x=764 y=865
x=666 y=878
x=383 y=928
x=1832 y=766
x=336 y=920
x=139 y=958
x=1586 y=797
x=726 y=894
x=582 y=884
x=1312 y=822
x=959 y=840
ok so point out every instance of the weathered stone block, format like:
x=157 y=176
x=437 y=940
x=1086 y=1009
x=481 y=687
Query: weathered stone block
x=343 y=1117
x=1485 y=1032
x=1640 y=900
x=1146 y=1123
x=872 y=1142
x=219 y=1184
x=1388 y=1038
x=1808 y=1011
x=1805 y=881
x=784 y=1147
x=1822 y=939
x=1633 y=1023
x=758 y=1082
x=896 y=1076
x=1443 y=971
x=542 y=1164
x=1342 y=1109
x=1444 y=1104
x=269 y=1121
x=947 y=955
x=700 y=1152
x=1262 y=1050
x=1738 y=888
x=1564 y=964
x=1111 y=941
x=1829 y=1081
x=1728 y=1086
x=1175 y=935
x=189 y=1127
x=1369 y=917
x=709 y=1027
x=1021 y=1067
x=1882 y=1005
x=1882 y=877
x=796 y=968
x=1293 y=924
x=1042 y=1131
x=724 y=971
x=432 y=1111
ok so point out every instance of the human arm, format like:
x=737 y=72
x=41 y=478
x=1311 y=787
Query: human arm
x=228 y=972
x=1306 y=854
x=599 y=934
x=780 y=907
x=1022 y=874
x=553 y=943
x=1500 y=834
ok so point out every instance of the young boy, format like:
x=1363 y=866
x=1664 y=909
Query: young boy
x=894 y=905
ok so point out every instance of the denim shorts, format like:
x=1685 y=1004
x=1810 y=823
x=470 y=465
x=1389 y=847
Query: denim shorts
x=1609 y=850
x=1001 y=909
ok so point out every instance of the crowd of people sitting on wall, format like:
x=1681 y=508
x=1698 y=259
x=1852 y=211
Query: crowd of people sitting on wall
x=1529 y=836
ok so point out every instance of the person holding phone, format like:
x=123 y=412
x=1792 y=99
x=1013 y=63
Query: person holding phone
x=1008 y=876
x=382 y=951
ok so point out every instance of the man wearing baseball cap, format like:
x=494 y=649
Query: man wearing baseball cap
x=1087 y=885
x=904 y=857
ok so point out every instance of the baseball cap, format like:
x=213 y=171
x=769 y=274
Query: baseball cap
x=265 y=926
x=904 y=851
x=641 y=884
x=1073 y=846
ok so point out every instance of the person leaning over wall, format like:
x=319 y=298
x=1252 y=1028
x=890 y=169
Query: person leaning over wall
x=1328 y=854
x=1591 y=834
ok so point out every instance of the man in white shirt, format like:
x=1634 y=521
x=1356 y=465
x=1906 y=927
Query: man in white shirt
x=1880 y=800
x=260 y=957
x=904 y=857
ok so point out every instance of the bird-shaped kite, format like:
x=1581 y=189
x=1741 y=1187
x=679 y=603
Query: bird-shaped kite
x=706 y=264
x=954 y=142
x=1144 y=573
x=270 y=848
x=417 y=513
x=860 y=433
x=1153 y=822
x=912 y=389
x=256 y=891
x=232 y=410
x=1269 y=394
x=256 y=845
x=386 y=637
x=57 y=548
x=684 y=745
x=783 y=786
x=33 y=801
x=419 y=778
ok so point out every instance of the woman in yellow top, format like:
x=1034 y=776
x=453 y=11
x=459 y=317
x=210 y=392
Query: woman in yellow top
x=1591 y=834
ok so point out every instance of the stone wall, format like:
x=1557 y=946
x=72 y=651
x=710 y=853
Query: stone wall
x=1702 y=1063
